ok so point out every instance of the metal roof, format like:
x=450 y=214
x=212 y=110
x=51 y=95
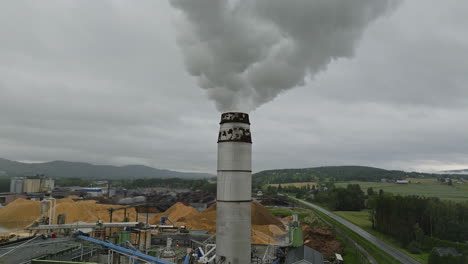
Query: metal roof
x=447 y=252
x=126 y=251
x=304 y=255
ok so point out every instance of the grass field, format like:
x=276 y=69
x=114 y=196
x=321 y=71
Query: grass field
x=377 y=253
x=428 y=187
x=361 y=219
x=284 y=212
x=295 y=184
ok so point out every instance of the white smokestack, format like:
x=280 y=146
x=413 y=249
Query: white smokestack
x=234 y=195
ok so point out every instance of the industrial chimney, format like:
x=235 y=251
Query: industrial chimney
x=234 y=195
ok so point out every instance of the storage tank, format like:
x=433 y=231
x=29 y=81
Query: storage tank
x=32 y=185
x=16 y=185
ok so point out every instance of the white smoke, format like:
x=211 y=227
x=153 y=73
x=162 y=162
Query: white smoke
x=246 y=52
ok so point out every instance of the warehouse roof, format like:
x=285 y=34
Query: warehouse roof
x=304 y=255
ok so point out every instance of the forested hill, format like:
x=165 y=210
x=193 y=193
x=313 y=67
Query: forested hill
x=338 y=173
x=465 y=171
x=65 y=169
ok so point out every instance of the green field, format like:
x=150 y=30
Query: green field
x=361 y=219
x=375 y=251
x=428 y=187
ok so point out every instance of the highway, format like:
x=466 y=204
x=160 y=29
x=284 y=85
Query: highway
x=397 y=254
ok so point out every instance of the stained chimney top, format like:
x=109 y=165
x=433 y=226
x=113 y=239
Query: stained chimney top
x=235 y=117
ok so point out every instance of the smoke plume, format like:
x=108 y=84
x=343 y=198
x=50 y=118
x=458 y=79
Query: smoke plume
x=246 y=52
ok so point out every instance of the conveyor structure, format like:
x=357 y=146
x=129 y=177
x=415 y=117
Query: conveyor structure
x=135 y=254
x=84 y=225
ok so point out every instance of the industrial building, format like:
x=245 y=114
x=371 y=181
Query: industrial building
x=304 y=255
x=166 y=243
x=92 y=191
x=31 y=184
x=169 y=242
x=6 y=198
x=16 y=185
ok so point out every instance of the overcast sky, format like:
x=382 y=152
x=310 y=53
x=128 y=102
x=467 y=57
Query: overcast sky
x=104 y=82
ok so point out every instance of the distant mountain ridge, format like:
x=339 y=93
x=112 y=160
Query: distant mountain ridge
x=66 y=169
x=338 y=173
x=463 y=171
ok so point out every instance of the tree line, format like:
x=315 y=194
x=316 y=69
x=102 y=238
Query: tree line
x=416 y=221
x=351 y=198
x=339 y=173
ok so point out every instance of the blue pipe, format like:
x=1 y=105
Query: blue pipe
x=276 y=261
x=126 y=250
x=187 y=259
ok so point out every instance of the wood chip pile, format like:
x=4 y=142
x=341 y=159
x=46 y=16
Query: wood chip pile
x=265 y=226
x=21 y=213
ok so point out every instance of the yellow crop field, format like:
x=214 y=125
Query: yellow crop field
x=295 y=184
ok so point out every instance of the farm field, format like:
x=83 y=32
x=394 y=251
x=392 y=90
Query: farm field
x=428 y=187
x=295 y=184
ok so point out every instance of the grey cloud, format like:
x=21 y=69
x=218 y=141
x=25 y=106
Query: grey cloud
x=247 y=52
x=105 y=82
x=410 y=59
x=365 y=133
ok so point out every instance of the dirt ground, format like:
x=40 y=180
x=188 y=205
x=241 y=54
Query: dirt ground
x=322 y=240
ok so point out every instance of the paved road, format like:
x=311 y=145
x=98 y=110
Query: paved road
x=397 y=254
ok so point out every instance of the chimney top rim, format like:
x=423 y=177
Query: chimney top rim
x=235 y=117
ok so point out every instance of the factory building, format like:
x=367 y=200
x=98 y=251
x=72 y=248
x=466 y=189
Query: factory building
x=181 y=234
x=304 y=255
x=47 y=184
x=16 y=185
x=32 y=184
x=92 y=192
x=6 y=198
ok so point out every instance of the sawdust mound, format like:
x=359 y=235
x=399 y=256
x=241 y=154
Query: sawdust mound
x=19 y=213
x=265 y=234
x=265 y=226
x=64 y=200
x=89 y=211
x=261 y=216
x=322 y=240
x=23 y=212
x=175 y=213
x=259 y=237
x=205 y=220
